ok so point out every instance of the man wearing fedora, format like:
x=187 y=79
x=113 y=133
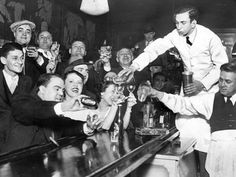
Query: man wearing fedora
x=149 y=37
x=34 y=64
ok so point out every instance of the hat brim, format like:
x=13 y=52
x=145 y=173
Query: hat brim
x=15 y=25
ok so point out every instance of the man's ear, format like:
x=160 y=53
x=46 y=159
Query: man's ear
x=194 y=22
x=3 y=60
x=42 y=90
x=70 y=51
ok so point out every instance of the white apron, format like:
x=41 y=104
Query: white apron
x=221 y=157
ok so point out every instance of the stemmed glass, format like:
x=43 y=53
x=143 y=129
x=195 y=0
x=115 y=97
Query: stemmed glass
x=119 y=84
x=131 y=85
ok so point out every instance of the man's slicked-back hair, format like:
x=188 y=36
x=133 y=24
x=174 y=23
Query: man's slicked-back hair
x=192 y=11
x=229 y=67
x=79 y=40
x=45 y=78
x=11 y=46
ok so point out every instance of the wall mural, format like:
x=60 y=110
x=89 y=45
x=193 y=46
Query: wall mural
x=64 y=25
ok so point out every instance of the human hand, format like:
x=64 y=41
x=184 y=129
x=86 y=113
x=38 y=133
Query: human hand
x=131 y=101
x=193 y=88
x=71 y=105
x=93 y=121
x=144 y=90
x=117 y=99
x=51 y=67
x=105 y=54
x=32 y=52
x=127 y=73
x=55 y=49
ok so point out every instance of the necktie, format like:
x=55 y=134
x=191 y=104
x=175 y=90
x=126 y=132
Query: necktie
x=229 y=103
x=188 y=41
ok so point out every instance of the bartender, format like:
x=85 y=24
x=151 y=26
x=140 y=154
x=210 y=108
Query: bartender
x=202 y=53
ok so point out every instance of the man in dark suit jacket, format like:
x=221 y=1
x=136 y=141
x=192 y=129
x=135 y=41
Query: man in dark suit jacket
x=34 y=64
x=149 y=34
x=39 y=116
x=11 y=83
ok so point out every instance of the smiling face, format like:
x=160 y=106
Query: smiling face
x=227 y=83
x=108 y=94
x=73 y=85
x=23 y=34
x=45 y=40
x=78 y=49
x=183 y=24
x=159 y=82
x=13 y=62
x=124 y=57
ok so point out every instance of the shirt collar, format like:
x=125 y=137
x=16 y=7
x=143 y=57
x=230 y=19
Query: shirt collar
x=193 y=35
x=232 y=99
x=10 y=79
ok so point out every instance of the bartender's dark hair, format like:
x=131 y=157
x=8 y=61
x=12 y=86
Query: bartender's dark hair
x=193 y=12
x=229 y=67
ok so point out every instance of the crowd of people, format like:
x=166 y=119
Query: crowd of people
x=42 y=94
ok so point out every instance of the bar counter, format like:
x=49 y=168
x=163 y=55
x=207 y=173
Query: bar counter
x=79 y=157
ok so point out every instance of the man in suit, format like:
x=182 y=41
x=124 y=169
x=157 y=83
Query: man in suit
x=38 y=117
x=34 y=65
x=124 y=58
x=202 y=53
x=48 y=50
x=11 y=83
x=220 y=110
x=149 y=37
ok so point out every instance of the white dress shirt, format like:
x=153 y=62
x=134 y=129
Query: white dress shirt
x=12 y=82
x=204 y=58
x=221 y=155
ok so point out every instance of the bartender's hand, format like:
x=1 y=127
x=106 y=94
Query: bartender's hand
x=128 y=72
x=193 y=88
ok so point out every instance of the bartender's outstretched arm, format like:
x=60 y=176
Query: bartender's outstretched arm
x=128 y=72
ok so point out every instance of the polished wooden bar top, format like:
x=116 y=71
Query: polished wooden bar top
x=79 y=157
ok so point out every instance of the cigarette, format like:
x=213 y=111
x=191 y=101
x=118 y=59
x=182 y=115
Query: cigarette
x=54 y=141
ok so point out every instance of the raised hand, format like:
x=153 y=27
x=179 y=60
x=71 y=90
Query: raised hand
x=193 y=88
x=32 y=52
x=131 y=101
x=93 y=121
x=55 y=49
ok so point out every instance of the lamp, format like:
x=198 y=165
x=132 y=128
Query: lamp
x=94 y=7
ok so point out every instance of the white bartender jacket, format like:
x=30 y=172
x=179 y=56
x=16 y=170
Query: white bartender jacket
x=204 y=59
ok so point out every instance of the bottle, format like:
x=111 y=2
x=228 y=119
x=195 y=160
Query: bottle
x=150 y=122
x=162 y=120
x=88 y=102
